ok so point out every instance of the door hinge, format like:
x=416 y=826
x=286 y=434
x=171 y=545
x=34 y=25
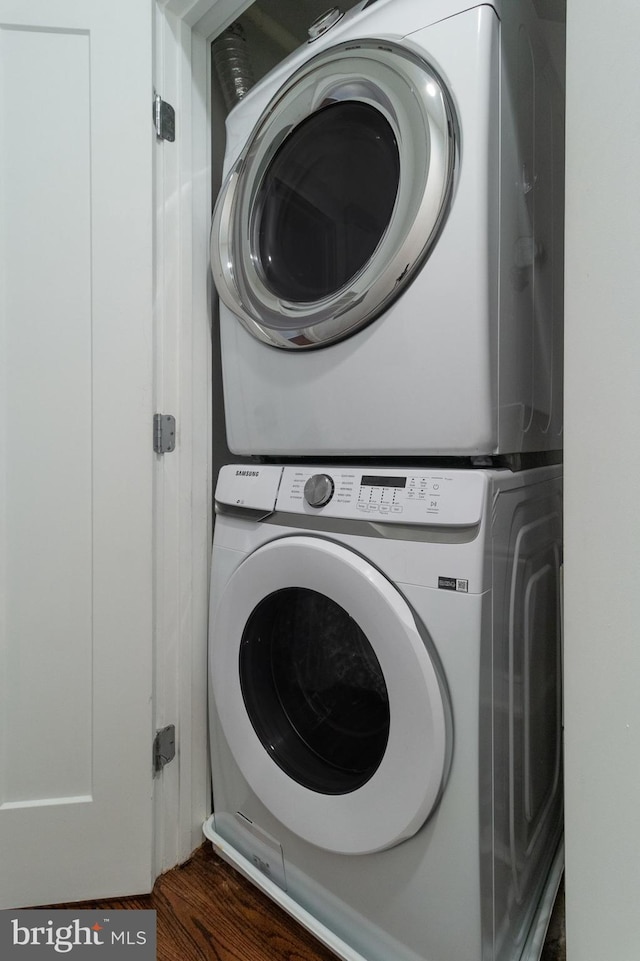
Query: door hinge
x=164 y=747
x=164 y=119
x=164 y=433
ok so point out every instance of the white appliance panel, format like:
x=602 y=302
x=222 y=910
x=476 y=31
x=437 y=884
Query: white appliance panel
x=475 y=877
x=466 y=359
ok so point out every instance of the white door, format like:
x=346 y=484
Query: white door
x=338 y=196
x=329 y=695
x=76 y=456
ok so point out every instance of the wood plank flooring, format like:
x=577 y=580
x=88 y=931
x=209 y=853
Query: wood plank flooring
x=206 y=911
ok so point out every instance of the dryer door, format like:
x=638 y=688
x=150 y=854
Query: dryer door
x=330 y=695
x=338 y=197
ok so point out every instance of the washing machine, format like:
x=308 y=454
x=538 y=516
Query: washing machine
x=386 y=703
x=388 y=240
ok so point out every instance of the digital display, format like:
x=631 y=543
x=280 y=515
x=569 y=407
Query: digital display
x=370 y=480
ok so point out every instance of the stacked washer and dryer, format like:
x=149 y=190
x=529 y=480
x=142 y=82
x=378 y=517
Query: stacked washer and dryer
x=385 y=650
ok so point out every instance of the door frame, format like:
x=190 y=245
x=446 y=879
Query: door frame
x=184 y=479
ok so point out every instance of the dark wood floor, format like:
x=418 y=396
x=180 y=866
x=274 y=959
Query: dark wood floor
x=208 y=912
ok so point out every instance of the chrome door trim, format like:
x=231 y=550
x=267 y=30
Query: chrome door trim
x=415 y=102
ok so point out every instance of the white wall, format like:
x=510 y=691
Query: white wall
x=602 y=532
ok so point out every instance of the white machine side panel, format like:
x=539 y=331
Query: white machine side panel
x=526 y=706
x=532 y=229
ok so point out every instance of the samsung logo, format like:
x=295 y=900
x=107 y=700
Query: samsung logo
x=247 y=473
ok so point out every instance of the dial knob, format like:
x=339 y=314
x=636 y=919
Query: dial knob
x=318 y=490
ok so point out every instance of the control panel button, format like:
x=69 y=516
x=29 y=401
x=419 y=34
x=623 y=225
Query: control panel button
x=318 y=490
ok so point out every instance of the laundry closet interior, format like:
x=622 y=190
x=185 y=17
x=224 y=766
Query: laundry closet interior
x=345 y=375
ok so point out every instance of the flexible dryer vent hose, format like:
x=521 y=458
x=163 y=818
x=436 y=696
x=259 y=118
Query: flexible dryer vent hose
x=232 y=64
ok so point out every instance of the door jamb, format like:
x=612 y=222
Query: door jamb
x=183 y=479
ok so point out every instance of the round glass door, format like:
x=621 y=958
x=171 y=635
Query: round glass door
x=325 y=201
x=314 y=690
x=330 y=696
x=338 y=197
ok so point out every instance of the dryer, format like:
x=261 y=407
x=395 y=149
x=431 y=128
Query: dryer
x=385 y=703
x=388 y=240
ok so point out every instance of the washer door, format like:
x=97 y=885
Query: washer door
x=330 y=696
x=338 y=197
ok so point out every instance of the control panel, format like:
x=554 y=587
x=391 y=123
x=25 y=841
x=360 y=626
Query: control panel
x=420 y=496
